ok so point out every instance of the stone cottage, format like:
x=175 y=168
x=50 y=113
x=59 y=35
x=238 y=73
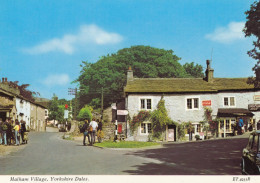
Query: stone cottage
x=186 y=99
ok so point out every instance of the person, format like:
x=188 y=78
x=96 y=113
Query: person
x=23 y=129
x=9 y=132
x=240 y=125
x=99 y=125
x=93 y=127
x=1 y=132
x=16 y=132
x=4 y=131
x=85 y=132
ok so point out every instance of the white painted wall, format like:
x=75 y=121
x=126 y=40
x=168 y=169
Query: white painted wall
x=24 y=108
x=176 y=104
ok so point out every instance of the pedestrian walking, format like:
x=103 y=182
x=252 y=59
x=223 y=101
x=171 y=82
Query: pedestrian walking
x=93 y=127
x=23 y=130
x=85 y=132
x=16 y=132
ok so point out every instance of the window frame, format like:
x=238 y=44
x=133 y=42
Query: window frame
x=146 y=128
x=191 y=102
x=229 y=101
x=143 y=106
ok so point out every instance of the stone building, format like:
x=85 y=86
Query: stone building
x=7 y=100
x=15 y=106
x=187 y=98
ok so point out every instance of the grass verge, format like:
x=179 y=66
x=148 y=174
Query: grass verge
x=125 y=144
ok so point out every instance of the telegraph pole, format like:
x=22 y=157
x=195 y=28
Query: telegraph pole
x=73 y=91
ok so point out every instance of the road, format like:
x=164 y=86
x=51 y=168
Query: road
x=48 y=154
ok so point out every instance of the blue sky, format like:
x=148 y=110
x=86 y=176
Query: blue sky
x=42 y=43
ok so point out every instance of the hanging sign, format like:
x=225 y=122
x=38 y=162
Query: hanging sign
x=66 y=114
x=257 y=98
x=254 y=107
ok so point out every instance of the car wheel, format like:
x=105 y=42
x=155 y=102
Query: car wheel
x=243 y=171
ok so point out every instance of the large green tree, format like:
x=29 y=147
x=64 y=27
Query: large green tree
x=252 y=28
x=195 y=71
x=109 y=72
x=56 y=111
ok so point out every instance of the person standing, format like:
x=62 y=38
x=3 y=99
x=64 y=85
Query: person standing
x=99 y=125
x=85 y=132
x=9 y=132
x=4 y=131
x=23 y=129
x=16 y=132
x=1 y=132
x=93 y=125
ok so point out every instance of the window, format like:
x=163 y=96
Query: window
x=227 y=124
x=146 y=104
x=143 y=128
x=192 y=103
x=142 y=103
x=250 y=142
x=146 y=128
x=229 y=101
x=149 y=103
x=255 y=143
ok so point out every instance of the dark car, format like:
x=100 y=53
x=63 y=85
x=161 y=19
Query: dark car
x=250 y=162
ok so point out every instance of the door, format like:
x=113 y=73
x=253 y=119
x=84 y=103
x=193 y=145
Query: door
x=171 y=133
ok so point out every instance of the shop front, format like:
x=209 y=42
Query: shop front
x=228 y=120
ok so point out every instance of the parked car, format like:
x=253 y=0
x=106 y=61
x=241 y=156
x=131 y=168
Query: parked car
x=250 y=162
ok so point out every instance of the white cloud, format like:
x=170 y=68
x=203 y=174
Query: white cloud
x=87 y=34
x=228 y=34
x=56 y=79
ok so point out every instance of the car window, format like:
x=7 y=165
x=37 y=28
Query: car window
x=250 y=141
x=255 y=143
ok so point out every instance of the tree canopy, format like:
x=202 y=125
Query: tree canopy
x=109 y=72
x=252 y=28
x=23 y=90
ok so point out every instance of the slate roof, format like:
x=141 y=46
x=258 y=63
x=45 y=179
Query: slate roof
x=185 y=85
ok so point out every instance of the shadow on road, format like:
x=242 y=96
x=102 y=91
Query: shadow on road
x=214 y=157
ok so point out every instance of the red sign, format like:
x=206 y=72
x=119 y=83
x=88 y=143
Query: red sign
x=206 y=103
x=119 y=128
x=66 y=106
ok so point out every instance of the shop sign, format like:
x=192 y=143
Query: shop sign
x=206 y=103
x=254 y=107
x=257 y=98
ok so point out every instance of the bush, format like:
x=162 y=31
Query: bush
x=85 y=113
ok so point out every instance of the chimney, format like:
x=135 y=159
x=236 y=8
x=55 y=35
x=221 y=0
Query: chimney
x=130 y=75
x=3 y=80
x=209 y=72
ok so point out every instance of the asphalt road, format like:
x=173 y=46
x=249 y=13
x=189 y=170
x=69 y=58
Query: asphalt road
x=48 y=154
